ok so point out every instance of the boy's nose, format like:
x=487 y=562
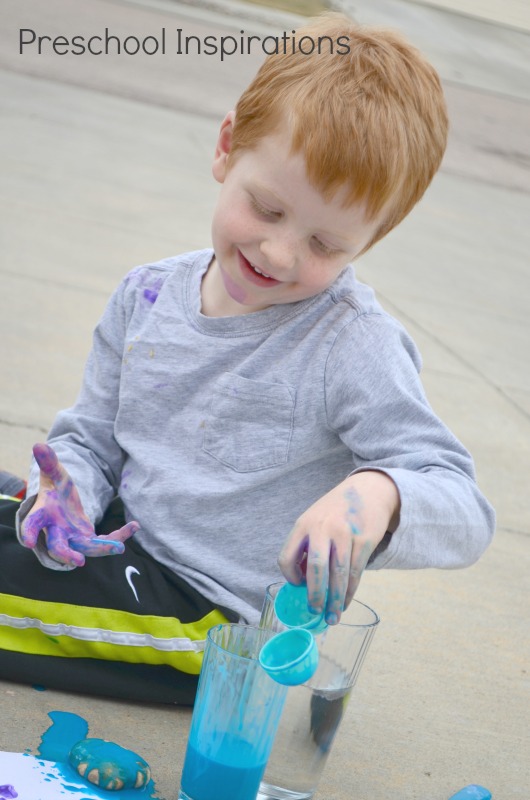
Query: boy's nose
x=280 y=254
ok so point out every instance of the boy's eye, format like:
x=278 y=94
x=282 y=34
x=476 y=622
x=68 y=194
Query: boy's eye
x=262 y=211
x=323 y=248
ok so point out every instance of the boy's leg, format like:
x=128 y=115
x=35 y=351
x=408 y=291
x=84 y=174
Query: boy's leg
x=123 y=626
x=12 y=486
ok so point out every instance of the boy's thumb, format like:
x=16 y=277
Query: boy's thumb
x=48 y=462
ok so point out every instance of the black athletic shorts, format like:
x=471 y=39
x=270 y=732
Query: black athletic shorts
x=123 y=626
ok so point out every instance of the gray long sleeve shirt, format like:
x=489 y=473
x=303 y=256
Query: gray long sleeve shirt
x=218 y=433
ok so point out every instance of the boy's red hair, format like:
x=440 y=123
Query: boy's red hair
x=372 y=119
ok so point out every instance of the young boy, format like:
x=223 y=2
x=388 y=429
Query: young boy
x=250 y=400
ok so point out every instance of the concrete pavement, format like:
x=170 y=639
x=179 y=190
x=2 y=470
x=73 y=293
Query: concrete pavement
x=106 y=165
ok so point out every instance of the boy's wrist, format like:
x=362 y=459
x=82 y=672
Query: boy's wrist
x=381 y=484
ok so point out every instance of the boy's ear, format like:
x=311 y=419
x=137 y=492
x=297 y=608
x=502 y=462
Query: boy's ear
x=222 y=149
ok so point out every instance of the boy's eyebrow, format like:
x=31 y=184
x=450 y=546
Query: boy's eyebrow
x=341 y=239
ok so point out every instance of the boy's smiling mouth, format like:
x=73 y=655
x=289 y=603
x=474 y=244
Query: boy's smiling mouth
x=253 y=273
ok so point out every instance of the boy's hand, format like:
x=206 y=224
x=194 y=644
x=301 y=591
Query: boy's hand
x=332 y=541
x=70 y=535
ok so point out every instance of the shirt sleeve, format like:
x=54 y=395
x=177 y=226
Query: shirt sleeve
x=376 y=403
x=83 y=436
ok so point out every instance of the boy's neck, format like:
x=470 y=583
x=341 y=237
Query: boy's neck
x=215 y=301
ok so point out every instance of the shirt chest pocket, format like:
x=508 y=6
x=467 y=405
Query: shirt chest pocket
x=250 y=423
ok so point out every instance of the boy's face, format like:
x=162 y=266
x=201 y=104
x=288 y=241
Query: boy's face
x=276 y=239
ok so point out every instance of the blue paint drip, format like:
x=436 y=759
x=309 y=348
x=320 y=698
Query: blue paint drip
x=38 y=687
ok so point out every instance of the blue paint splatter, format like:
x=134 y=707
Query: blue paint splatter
x=66 y=731
x=38 y=687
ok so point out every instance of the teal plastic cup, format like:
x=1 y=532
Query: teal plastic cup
x=291 y=657
x=291 y=608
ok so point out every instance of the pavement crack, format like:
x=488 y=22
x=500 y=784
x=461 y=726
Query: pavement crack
x=465 y=363
x=516 y=531
x=132 y=94
x=521 y=159
x=50 y=282
x=8 y=423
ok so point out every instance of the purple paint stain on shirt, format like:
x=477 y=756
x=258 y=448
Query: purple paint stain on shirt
x=151 y=295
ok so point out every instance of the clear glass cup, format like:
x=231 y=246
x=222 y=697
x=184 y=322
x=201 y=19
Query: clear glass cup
x=314 y=710
x=235 y=717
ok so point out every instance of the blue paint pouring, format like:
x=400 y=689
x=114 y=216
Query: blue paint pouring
x=65 y=731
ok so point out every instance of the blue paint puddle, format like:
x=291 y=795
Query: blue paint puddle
x=65 y=731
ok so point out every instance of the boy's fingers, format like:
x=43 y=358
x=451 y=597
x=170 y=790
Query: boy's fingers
x=48 y=462
x=97 y=547
x=339 y=575
x=360 y=554
x=292 y=558
x=109 y=544
x=32 y=526
x=317 y=577
x=60 y=549
x=122 y=534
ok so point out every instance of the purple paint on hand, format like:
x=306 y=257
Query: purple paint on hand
x=47 y=461
x=58 y=511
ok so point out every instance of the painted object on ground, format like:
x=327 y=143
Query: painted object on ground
x=108 y=765
x=472 y=792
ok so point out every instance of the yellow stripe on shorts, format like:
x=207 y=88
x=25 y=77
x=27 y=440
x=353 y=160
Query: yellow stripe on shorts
x=52 y=629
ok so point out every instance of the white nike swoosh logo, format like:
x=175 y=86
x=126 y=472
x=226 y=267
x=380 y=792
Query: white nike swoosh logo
x=129 y=571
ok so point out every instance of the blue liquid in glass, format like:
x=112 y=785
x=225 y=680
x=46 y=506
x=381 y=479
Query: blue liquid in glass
x=234 y=775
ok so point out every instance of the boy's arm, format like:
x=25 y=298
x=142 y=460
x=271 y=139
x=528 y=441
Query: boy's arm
x=82 y=437
x=376 y=404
